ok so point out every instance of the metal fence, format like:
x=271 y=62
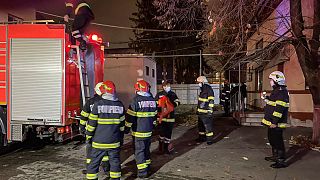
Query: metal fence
x=188 y=93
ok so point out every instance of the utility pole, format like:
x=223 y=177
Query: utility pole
x=200 y=69
x=239 y=100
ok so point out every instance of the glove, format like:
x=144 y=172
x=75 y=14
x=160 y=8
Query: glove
x=82 y=130
x=264 y=95
x=202 y=105
x=88 y=139
x=155 y=124
x=126 y=130
x=66 y=18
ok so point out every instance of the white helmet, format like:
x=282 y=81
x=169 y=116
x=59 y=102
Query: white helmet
x=202 y=79
x=97 y=88
x=278 y=77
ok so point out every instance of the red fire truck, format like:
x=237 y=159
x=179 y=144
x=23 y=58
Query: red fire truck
x=44 y=80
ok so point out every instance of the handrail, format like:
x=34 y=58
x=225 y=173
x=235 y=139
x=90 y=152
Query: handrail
x=27 y=22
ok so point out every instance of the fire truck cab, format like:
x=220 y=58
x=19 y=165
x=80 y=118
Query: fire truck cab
x=44 y=81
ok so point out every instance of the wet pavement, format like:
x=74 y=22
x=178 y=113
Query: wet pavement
x=238 y=153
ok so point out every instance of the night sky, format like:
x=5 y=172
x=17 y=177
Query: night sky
x=114 y=12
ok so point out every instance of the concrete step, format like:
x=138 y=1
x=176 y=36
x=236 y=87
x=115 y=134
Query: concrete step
x=253 y=115
x=250 y=124
x=251 y=119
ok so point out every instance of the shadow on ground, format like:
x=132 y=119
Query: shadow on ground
x=183 y=144
x=296 y=153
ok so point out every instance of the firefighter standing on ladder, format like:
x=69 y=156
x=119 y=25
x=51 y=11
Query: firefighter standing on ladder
x=141 y=119
x=167 y=122
x=205 y=111
x=83 y=17
x=86 y=110
x=105 y=130
x=275 y=117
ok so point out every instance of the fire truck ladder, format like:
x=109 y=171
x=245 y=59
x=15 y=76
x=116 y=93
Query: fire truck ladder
x=84 y=82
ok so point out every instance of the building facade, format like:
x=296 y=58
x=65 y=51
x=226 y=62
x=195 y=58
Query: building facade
x=269 y=50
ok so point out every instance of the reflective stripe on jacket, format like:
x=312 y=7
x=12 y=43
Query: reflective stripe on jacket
x=106 y=124
x=276 y=109
x=205 y=100
x=142 y=116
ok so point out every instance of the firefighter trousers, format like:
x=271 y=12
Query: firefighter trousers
x=142 y=154
x=95 y=158
x=166 y=131
x=79 y=26
x=105 y=160
x=275 y=137
x=226 y=107
x=205 y=127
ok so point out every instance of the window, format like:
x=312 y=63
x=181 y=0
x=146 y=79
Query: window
x=153 y=73
x=259 y=45
x=249 y=75
x=147 y=70
x=13 y=18
x=259 y=78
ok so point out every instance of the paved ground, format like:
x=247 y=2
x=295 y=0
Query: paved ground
x=237 y=154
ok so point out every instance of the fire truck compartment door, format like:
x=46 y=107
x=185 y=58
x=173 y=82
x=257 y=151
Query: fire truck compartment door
x=36 y=81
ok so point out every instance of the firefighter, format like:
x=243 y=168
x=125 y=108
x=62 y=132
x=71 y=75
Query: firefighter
x=275 y=117
x=83 y=17
x=167 y=122
x=225 y=98
x=105 y=131
x=86 y=110
x=205 y=111
x=141 y=120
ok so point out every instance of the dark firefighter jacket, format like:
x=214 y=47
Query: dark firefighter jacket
x=225 y=95
x=205 y=100
x=86 y=110
x=79 y=7
x=276 y=110
x=106 y=124
x=173 y=99
x=142 y=116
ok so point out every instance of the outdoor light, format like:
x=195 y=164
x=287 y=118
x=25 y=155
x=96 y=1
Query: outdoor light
x=94 y=37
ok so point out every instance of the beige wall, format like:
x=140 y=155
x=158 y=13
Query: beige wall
x=294 y=75
x=27 y=14
x=151 y=80
x=276 y=25
x=125 y=72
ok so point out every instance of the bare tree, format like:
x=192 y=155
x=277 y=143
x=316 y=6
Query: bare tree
x=308 y=56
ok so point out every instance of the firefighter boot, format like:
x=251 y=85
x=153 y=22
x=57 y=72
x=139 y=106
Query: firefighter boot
x=209 y=140
x=280 y=162
x=272 y=158
x=161 y=147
